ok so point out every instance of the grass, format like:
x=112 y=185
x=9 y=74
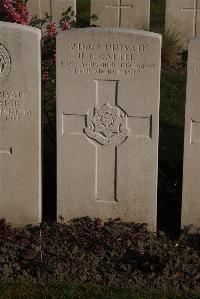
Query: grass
x=157 y=15
x=173 y=86
x=171 y=139
x=172 y=118
x=83 y=14
x=172 y=47
x=173 y=90
x=87 y=291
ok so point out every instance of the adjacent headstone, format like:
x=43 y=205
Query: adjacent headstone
x=20 y=124
x=191 y=169
x=54 y=8
x=121 y=13
x=107 y=120
x=39 y=8
x=60 y=6
x=183 y=18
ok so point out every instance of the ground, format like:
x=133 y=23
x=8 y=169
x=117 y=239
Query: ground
x=120 y=256
x=113 y=256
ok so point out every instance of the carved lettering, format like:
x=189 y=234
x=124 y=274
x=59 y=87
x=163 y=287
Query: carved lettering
x=12 y=105
x=105 y=58
x=106 y=46
x=8 y=94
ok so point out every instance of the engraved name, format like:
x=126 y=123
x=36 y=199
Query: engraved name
x=8 y=94
x=12 y=106
x=106 y=58
x=122 y=47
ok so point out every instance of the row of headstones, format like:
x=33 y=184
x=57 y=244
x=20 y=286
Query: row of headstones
x=108 y=86
x=182 y=16
x=112 y=13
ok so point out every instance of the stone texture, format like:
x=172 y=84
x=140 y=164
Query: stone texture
x=121 y=13
x=55 y=8
x=39 y=8
x=191 y=169
x=183 y=17
x=107 y=122
x=60 y=6
x=20 y=125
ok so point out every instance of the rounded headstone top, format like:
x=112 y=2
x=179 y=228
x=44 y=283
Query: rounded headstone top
x=114 y=30
x=20 y=27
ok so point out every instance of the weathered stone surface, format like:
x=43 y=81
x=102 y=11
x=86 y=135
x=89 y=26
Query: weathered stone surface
x=191 y=169
x=60 y=6
x=121 y=13
x=183 y=17
x=39 y=8
x=107 y=122
x=20 y=127
x=54 y=8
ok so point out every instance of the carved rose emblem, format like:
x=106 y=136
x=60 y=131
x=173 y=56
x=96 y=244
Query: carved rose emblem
x=5 y=62
x=107 y=125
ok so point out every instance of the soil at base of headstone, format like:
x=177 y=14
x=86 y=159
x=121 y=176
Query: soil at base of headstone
x=108 y=253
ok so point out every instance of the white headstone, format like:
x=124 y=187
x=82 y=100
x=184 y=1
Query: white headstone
x=191 y=169
x=121 y=13
x=183 y=17
x=20 y=125
x=39 y=8
x=107 y=120
x=60 y=6
x=54 y=8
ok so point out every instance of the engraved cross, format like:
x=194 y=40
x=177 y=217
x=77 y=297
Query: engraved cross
x=106 y=157
x=195 y=10
x=7 y=151
x=120 y=6
x=1 y=64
